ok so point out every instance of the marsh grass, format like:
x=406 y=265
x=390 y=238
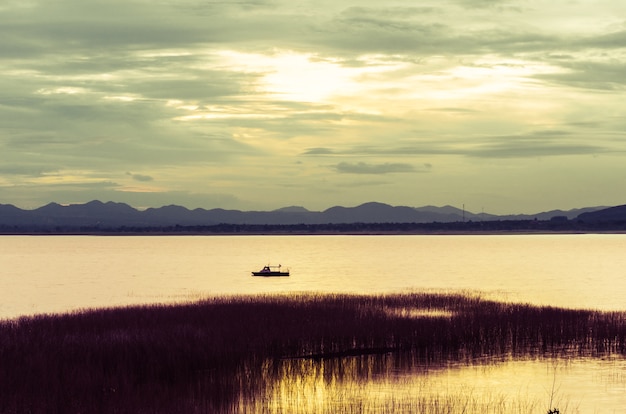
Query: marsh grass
x=223 y=354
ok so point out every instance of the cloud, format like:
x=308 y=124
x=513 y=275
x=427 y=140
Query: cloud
x=605 y=75
x=539 y=143
x=534 y=144
x=140 y=177
x=24 y=169
x=516 y=149
x=365 y=168
x=483 y=3
x=242 y=96
x=318 y=151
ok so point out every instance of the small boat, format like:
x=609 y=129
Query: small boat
x=271 y=271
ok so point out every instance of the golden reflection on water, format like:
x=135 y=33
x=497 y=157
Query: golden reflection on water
x=384 y=383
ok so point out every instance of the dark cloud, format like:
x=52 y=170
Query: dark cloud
x=318 y=151
x=606 y=76
x=366 y=168
x=108 y=30
x=400 y=149
x=514 y=148
x=113 y=26
x=613 y=40
x=483 y=3
x=542 y=143
x=140 y=177
x=25 y=169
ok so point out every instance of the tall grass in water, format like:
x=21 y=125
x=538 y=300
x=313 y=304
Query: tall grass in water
x=223 y=354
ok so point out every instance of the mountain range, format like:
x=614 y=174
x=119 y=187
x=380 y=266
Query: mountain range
x=114 y=215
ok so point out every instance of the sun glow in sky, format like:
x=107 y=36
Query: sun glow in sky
x=506 y=106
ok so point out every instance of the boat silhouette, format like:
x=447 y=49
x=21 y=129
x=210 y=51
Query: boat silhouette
x=271 y=271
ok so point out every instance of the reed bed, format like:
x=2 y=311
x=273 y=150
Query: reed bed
x=222 y=354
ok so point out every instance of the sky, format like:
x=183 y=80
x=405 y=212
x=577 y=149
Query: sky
x=499 y=106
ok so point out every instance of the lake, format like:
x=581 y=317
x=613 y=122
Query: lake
x=51 y=274
x=43 y=274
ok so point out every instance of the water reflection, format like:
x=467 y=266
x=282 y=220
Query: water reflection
x=453 y=356
x=392 y=383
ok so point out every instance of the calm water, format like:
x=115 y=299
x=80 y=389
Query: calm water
x=47 y=274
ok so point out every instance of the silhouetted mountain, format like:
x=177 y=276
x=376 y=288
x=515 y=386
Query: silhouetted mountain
x=548 y=215
x=384 y=213
x=93 y=214
x=173 y=215
x=447 y=214
x=13 y=215
x=96 y=214
x=608 y=215
x=292 y=209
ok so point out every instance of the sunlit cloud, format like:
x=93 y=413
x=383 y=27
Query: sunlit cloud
x=233 y=103
x=291 y=76
x=67 y=90
x=121 y=98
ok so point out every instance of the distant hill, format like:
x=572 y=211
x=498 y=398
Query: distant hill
x=96 y=214
x=608 y=215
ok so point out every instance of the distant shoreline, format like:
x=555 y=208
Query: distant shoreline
x=390 y=233
x=508 y=227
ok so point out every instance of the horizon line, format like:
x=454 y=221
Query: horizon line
x=462 y=209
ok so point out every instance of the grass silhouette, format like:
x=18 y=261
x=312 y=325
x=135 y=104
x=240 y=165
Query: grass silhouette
x=217 y=355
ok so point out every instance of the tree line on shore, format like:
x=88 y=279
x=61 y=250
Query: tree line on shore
x=497 y=226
